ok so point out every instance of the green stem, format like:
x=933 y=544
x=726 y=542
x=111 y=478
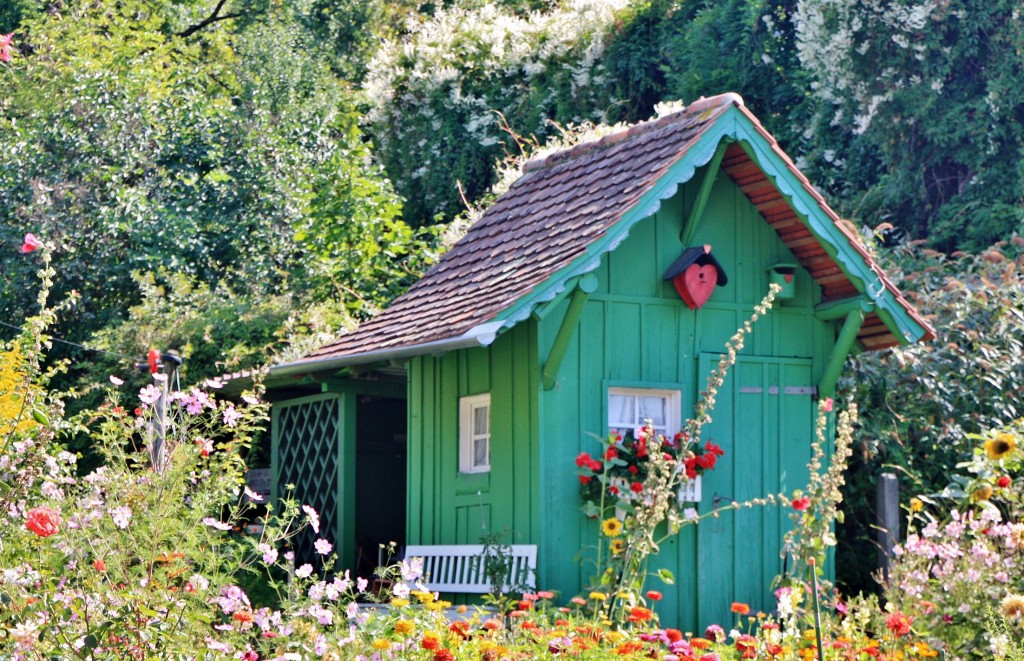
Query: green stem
x=817 y=611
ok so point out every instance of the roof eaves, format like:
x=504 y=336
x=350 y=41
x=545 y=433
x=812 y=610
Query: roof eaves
x=666 y=185
x=905 y=323
x=481 y=335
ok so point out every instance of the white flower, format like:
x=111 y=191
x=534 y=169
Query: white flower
x=214 y=523
x=121 y=516
x=150 y=394
x=322 y=546
x=304 y=571
x=314 y=518
x=116 y=381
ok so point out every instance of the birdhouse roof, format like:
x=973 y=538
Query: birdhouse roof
x=567 y=210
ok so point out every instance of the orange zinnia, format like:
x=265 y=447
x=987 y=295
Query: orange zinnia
x=740 y=608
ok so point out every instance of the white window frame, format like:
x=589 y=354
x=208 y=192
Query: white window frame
x=467 y=438
x=672 y=415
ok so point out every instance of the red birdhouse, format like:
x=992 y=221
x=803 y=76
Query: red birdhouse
x=695 y=275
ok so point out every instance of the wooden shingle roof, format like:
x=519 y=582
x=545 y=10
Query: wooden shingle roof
x=556 y=221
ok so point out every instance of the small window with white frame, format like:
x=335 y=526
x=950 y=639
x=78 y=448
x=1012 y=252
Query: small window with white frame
x=475 y=434
x=631 y=408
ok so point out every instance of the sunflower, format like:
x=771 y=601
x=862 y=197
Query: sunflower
x=1003 y=444
x=617 y=546
x=611 y=527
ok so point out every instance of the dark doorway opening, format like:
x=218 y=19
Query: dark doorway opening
x=381 y=479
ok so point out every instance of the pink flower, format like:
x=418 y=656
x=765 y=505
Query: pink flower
x=31 y=242
x=829 y=404
x=322 y=546
x=43 y=521
x=5 y=56
x=801 y=504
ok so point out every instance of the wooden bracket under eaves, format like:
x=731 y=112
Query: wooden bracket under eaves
x=585 y=286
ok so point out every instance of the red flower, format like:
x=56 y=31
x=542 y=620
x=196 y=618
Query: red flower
x=639 y=614
x=43 y=521
x=31 y=242
x=673 y=635
x=747 y=646
x=714 y=449
x=801 y=504
x=610 y=454
x=707 y=461
x=636 y=487
x=898 y=623
x=99 y=565
x=584 y=479
x=613 y=490
x=633 y=470
x=583 y=459
x=460 y=628
x=430 y=642
x=444 y=654
x=654 y=595
x=1004 y=481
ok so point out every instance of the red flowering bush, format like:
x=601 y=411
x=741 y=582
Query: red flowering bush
x=625 y=463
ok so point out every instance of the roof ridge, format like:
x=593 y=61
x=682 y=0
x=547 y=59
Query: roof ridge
x=631 y=131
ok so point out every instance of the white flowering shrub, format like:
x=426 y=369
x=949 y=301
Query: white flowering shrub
x=439 y=94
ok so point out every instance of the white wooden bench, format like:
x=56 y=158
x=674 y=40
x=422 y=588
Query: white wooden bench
x=460 y=567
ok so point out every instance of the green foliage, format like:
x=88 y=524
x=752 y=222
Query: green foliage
x=920 y=404
x=933 y=92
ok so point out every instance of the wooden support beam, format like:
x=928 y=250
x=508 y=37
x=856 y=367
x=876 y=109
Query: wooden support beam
x=585 y=286
x=697 y=210
x=844 y=344
x=839 y=309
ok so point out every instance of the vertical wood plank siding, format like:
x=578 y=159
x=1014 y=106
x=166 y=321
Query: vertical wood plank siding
x=635 y=331
x=448 y=507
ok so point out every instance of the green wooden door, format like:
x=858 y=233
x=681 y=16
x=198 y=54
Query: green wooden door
x=764 y=419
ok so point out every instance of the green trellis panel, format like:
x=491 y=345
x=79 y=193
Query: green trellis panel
x=312 y=448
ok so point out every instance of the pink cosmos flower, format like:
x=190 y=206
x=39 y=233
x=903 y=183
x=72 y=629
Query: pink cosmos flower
x=31 y=242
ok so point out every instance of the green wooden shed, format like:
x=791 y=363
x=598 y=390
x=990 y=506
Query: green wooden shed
x=460 y=409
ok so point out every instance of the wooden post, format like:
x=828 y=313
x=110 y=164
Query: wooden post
x=887 y=505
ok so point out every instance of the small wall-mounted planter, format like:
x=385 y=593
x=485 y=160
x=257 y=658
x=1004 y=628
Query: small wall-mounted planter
x=784 y=275
x=689 y=491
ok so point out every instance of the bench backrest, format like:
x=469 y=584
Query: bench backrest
x=460 y=567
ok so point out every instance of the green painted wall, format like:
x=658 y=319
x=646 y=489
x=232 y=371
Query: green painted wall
x=448 y=507
x=636 y=332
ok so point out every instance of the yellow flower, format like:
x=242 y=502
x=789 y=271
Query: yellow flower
x=404 y=627
x=1003 y=444
x=381 y=644
x=916 y=504
x=617 y=546
x=611 y=527
x=424 y=596
x=615 y=637
x=984 y=492
x=598 y=596
x=398 y=602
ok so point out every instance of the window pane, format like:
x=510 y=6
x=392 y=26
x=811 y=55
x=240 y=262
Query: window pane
x=480 y=425
x=480 y=457
x=653 y=409
x=620 y=410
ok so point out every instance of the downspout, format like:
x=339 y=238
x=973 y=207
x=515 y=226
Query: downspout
x=842 y=349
